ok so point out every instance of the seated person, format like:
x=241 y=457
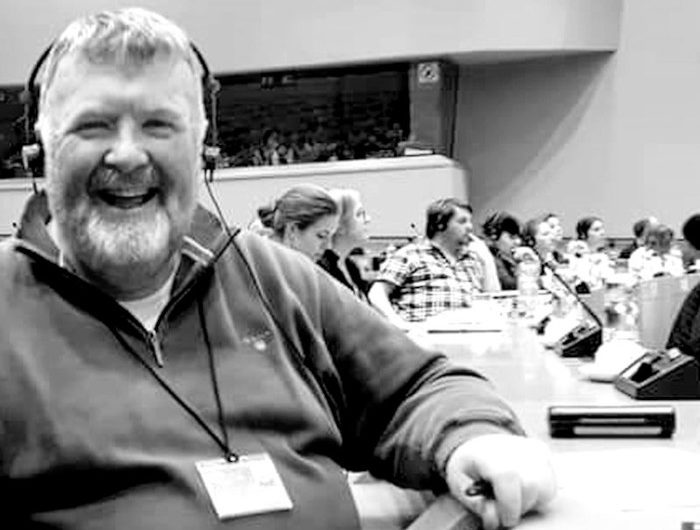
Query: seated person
x=351 y=234
x=685 y=332
x=657 y=257
x=639 y=229
x=538 y=235
x=427 y=277
x=538 y=238
x=559 y=252
x=478 y=247
x=304 y=218
x=588 y=261
x=168 y=352
x=691 y=249
x=503 y=233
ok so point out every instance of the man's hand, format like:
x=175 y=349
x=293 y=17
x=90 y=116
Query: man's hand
x=518 y=469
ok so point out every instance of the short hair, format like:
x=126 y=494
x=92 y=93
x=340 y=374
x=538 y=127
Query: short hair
x=640 y=227
x=530 y=230
x=691 y=230
x=346 y=199
x=440 y=212
x=302 y=205
x=549 y=215
x=584 y=225
x=129 y=37
x=663 y=234
x=499 y=222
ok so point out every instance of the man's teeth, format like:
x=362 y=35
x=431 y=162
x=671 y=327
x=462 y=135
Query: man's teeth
x=127 y=198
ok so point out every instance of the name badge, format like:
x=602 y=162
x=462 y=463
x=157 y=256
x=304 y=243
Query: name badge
x=249 y=486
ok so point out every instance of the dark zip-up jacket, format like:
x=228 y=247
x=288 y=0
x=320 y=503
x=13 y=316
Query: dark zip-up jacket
x=89 y=439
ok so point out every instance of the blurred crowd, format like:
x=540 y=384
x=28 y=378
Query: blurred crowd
x=274 y=147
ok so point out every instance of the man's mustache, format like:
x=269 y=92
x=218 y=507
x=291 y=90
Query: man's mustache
x=105 y=177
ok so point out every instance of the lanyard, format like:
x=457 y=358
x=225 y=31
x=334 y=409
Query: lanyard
x=223 y=440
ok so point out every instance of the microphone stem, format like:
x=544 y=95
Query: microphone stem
x=573 y=292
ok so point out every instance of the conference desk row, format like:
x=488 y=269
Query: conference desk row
x=603 y=483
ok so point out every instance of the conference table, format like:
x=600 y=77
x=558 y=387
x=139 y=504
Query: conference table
x=603 y=483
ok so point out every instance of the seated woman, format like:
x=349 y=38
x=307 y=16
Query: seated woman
x=588 y=261
x=303 y=218
x=538 y=235
x=639 y=229
x=559 y=252
x=657 y=257
x=539 y=238
x=351 y=233
x=502 y=231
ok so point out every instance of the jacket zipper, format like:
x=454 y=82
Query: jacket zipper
x=155 y=347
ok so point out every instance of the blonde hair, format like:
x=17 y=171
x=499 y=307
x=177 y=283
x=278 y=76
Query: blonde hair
x=347 y=199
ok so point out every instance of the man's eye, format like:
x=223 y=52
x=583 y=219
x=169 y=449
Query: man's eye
x=92 y=126
x=157 y=124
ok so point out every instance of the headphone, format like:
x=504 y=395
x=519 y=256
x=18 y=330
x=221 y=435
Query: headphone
x=32 y=151
x=439 y=214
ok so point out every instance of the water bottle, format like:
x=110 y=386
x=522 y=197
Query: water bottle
x=528 y=286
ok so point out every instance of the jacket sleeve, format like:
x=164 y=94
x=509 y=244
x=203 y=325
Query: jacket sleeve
x=400 y=409
x=406 y=409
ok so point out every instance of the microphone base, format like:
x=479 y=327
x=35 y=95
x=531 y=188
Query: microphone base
x=582 y=341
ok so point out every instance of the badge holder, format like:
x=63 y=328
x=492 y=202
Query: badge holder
x=246 y=486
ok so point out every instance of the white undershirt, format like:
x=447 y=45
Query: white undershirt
x=148 y=309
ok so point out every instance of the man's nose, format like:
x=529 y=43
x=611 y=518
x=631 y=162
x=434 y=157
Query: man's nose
x=126 y=151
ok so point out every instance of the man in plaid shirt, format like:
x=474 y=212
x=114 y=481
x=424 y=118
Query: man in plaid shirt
x=427 y=277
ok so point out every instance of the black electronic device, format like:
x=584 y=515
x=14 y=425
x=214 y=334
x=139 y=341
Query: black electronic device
x=582 y=341
x=661 y=375
x=585 y=339
x=611 y=421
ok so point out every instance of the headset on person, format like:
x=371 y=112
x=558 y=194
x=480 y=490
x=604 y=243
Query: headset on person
x=32 y=151
x=32 y=154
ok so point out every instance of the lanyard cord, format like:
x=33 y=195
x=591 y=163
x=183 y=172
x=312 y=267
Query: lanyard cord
x=230 y=455
x=222 y=443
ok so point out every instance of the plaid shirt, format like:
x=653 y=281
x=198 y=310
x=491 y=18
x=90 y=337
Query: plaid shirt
x=427 y=282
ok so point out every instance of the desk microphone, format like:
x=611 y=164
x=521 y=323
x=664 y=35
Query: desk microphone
x=584 y=339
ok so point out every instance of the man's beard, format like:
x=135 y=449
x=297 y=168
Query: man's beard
x=101 y=242
x=98 y=237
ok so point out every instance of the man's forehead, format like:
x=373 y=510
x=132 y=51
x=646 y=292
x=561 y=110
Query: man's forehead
x=76 y=71
x=78 y=62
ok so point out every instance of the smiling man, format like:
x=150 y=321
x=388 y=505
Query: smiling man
x=122 y=138
x=158 y=370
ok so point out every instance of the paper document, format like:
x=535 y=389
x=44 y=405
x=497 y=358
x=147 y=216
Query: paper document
x=464 y=320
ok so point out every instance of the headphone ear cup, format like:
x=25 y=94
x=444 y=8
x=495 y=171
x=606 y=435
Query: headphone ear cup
x=30 y=155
